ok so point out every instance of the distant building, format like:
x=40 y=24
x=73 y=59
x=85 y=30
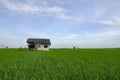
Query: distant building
x=38 y=44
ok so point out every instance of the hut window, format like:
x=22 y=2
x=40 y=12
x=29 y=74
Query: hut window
x=45 y=46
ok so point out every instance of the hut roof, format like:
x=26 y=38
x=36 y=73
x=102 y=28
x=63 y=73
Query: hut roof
x=39 y=40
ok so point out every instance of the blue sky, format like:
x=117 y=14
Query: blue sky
x=68 y=23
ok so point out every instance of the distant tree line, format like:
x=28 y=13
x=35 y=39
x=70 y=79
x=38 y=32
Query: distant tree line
x=3 y=46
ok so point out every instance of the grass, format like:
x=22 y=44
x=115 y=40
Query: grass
x=60 y=64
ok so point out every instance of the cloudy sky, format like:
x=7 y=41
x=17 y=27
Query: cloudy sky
x=68 y=23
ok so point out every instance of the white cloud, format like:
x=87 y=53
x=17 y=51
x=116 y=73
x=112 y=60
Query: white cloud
x=30 y=8
x=107 y=39
x=37 y=7
x=114 y=22
x=34 y=7
x=109 y=22
x=10 y=40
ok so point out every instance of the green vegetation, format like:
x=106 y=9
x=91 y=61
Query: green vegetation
x=60 y=64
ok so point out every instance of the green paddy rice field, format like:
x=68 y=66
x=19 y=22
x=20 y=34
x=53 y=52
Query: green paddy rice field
x=60 y=64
